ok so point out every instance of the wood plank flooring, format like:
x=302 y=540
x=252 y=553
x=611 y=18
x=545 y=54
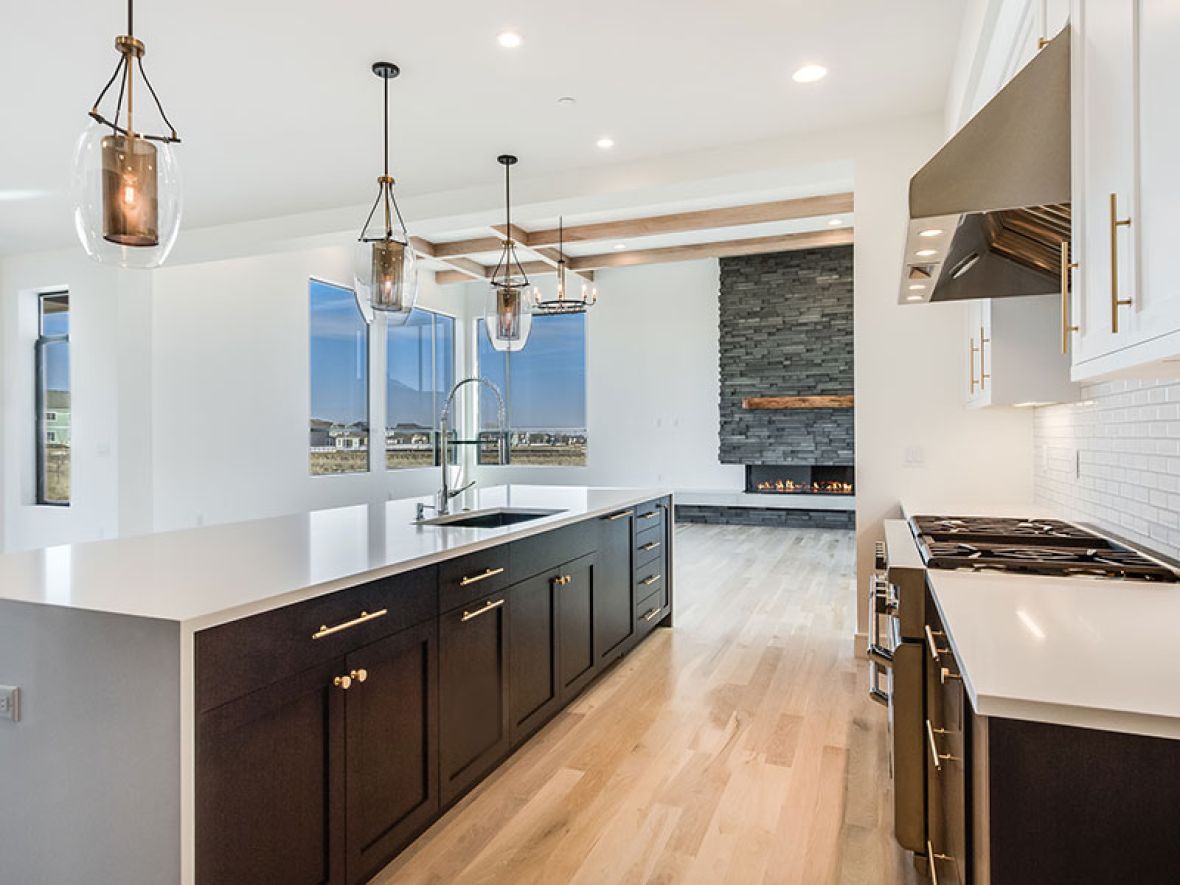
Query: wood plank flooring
x=738 y=747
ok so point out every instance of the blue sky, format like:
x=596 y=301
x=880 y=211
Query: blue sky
x=548 y=387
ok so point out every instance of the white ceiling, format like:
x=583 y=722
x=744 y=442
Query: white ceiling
x=280 y=114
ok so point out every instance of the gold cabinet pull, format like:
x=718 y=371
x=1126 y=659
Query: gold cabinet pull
x=562 y=580
x=651 y=515
x=651 y=614
x=931 y=857
x=935 y=756
x=622 y=515
x=1066 y=325
x=360 y=675
x=467 y=616
x=344 y=682
x=651 y=545
x=483 y=576
x=971 y=363
x=1115 y=301
x=946 y=674
x=650 y=579
x=325 y=630
x=983 y=375
x=935 y=651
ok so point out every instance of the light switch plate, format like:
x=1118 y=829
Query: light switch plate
x=10 y=702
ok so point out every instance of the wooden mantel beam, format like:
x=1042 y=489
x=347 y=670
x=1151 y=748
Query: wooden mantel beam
x=828 y=401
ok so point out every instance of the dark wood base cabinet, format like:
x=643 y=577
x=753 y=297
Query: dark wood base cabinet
x=1014 y=802
x=332 y=732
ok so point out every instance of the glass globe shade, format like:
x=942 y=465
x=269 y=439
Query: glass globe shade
x=385 y=273
x=507 y=318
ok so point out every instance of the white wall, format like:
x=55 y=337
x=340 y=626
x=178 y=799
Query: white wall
x=653 y=387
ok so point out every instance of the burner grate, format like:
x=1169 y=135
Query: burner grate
x=1096 y=561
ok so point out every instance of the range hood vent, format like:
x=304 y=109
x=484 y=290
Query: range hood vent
x=990 y=210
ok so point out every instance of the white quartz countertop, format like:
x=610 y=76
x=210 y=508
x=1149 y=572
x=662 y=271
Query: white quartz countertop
x=1072 y=651
x=205 y=576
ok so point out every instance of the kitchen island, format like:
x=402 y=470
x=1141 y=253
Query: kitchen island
x=296 y=698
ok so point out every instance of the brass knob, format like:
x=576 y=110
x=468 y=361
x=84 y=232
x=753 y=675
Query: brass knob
x=344 y=682
x=359 y=675
x=946 y=674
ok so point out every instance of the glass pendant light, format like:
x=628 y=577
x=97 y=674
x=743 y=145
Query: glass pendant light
x=127 y=197
x=563 y=301
x=508 y=318
x=385 y=269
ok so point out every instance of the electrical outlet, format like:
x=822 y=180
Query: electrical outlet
x=10 y=702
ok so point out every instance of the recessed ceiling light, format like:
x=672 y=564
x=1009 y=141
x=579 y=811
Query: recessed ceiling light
x=930 y=232
x=606 y=142
x=12 y=196
x=926 y=253
x=509 y=39
x=834 y=222
x=567 y=100
x=913 y=298
x=917 y=287
x=619 y=247
x=809 y=74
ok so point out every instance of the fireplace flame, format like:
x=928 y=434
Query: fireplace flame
x=790 y=487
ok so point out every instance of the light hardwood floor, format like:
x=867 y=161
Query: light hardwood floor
x=738 y=747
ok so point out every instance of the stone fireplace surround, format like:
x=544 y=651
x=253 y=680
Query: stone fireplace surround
x=786 y=327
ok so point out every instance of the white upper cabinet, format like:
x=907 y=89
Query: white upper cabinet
x=1015 y=353
x=1126 y=186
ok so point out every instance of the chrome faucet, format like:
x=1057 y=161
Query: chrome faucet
x=442 y=499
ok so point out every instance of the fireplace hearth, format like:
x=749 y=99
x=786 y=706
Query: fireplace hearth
x=774 y=479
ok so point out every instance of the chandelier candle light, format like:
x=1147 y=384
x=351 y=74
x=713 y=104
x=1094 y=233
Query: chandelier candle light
x=385 y=269
x=126 y=183
x=508 y=318
x=563 y=303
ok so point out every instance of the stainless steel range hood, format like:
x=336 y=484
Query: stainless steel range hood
x=990 y=210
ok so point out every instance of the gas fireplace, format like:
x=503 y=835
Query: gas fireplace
x=771 y=479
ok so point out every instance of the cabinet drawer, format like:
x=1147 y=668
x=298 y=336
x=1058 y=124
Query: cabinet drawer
x=649 y=595
x=648 y=516
x=648 y=544
x=648 y=574
x=540 y=553
x=469 y=577
x=242 y=656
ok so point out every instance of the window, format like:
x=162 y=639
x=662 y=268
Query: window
x=53 y=399
x=420 y=369
x=544 y=387
x=339 y=382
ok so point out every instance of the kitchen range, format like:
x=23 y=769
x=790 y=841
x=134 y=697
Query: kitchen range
x=1026 y=743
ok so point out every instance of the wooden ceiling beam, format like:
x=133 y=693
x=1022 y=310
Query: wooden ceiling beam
x=468 y=247
x=705 y=219
x=726 y=249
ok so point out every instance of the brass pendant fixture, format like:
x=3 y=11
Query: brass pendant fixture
x=563 y=301
x=508 y=317
x=385 y=268
x=127 y=198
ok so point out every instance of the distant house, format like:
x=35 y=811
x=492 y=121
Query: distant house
x=57 y=417
x=320 y=433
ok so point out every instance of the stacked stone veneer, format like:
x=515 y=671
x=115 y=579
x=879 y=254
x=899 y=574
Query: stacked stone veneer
x=786 y=330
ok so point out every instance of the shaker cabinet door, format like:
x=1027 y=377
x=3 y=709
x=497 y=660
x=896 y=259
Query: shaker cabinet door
x=532 y=651
x=614 y=622
x=575 y=631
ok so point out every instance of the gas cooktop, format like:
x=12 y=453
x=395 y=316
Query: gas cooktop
x=1030 y=546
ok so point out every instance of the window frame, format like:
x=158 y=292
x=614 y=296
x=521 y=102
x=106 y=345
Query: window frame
x=367 y=322
x=39 y=369
x=436 y=395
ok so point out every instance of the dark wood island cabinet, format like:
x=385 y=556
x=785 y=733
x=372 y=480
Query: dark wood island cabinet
x=331 y=732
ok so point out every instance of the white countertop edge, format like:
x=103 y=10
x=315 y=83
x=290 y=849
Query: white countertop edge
x=509 y=534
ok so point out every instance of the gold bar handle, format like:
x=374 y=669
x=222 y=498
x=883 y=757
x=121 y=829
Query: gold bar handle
x=946 y=674
x=651 y=545
x=1115 y=301
x=622 y=515
x=467 y=616
x=483 y=576
x=650 y=579
x=935 y=651
x=983 y=375
x=971 y=363
x=1066 y=325
x=931 y=857
x=651 y=614
x=365 y=617
x=650 y=515
x=935 y=756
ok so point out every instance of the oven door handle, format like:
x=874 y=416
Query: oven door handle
x=879 y=656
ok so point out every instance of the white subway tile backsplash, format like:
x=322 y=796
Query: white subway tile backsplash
x=1113 y=460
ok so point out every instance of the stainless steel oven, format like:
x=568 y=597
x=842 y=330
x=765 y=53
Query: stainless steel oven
x=896 y=597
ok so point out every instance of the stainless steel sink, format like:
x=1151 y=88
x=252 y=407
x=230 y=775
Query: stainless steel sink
x=491 y=518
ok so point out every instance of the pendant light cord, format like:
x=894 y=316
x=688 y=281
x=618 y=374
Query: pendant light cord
x=130 y=18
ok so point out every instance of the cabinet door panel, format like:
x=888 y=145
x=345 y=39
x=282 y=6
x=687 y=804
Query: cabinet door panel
x=391 y=729
x=270 y=785
x=614 y=623
x=532 y=643
x=575 y=618
x=473 y=692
